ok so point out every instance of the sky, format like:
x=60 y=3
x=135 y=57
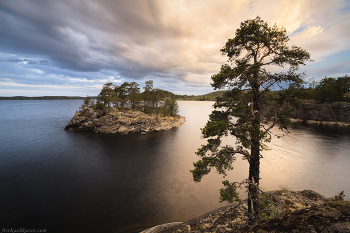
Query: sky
x=73 y=47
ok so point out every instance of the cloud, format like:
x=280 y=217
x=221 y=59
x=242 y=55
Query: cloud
x=324 y=42
x=38 y=71
x=337 y=70
x=174 y=42
x=308 y=33
x=25 y=61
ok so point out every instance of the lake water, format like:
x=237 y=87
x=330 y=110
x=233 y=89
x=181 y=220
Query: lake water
x=83 y=182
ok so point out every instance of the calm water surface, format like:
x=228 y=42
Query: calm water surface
x=83 y=182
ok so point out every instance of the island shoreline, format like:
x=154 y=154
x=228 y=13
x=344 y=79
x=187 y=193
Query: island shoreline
x=114 y=121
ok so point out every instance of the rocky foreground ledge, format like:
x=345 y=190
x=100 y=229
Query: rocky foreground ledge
x=302 y=211
x=114 y=121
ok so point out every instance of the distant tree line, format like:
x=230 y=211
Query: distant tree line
x=326 y=90
x=207 y=97
x=42 y=98
x=129 y=96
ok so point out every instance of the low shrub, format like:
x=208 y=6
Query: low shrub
x=267 y=208
x=100 y=106
x=339 y=197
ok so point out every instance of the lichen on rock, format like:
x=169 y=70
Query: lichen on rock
x=297 y=211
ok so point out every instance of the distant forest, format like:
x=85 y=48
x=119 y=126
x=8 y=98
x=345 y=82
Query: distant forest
x=326 y=90
x=207 y=97
x=43 y=98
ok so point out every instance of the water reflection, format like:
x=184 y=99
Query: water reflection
x=310 y=157
x=76 y=181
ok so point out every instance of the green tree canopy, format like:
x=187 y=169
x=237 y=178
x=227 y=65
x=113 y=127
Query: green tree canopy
x=122 y=93
x=240 y=111
x=128 y=95
x=133 y=92
x=170 y=107
x=147 y=94
x=331 y=89
x=107 y=94
x=128 y=92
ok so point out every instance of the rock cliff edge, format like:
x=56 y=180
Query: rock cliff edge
x=295 y=211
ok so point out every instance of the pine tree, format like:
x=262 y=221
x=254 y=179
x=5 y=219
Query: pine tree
x=241 y=110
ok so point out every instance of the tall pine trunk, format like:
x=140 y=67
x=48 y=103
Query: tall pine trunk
x=254 y=162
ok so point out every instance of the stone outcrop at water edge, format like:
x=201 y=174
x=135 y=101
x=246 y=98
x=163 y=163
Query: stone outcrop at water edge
x=114 y=121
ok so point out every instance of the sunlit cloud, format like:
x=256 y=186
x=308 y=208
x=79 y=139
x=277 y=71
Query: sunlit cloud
x=175 y=43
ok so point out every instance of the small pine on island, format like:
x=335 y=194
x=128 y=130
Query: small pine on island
x=123 y=109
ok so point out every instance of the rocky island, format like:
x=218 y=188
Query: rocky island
x=112 y=120
x=124 y=109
